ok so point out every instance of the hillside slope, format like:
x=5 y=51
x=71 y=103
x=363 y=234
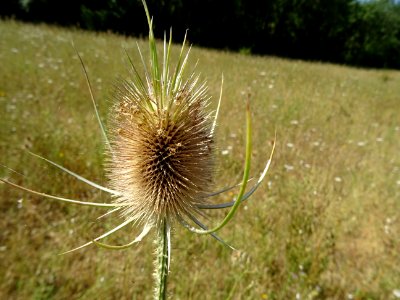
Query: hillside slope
x=324 y=225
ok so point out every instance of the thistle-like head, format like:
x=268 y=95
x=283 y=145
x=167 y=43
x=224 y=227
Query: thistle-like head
x=162 y=148
x=161 y=138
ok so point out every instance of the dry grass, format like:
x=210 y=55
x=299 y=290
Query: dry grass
x=325 y=225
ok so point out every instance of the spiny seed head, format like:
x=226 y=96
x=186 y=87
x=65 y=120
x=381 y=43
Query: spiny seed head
x=162 y=149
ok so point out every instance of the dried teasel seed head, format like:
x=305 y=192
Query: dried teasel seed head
x=162 y=155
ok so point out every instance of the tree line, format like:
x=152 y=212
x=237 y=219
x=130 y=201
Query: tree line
x=362 y=33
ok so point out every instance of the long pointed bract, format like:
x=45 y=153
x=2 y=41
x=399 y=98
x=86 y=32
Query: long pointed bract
x=60 y=198
x=222 y=191
x=109 y=212
x=91 y=183
x=217 y=111
x=214 y=235
x=101 y=236
x=246 y=195
x=139 y=238
x=12 y=170
x=103 y=131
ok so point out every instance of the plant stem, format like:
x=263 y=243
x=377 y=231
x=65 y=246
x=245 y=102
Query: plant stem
x=161 y=264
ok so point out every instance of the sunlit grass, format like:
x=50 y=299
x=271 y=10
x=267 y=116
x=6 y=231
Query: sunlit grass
x=325 y=224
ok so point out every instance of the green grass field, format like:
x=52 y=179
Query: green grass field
x=324 y=225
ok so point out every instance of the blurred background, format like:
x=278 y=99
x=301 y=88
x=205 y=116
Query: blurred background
x=325 y=223
x=363 y=33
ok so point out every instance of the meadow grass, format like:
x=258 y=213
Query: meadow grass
x=324 y=225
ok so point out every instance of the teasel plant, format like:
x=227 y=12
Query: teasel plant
x=160 y=156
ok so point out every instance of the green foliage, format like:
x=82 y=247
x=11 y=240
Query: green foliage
x=375 y=38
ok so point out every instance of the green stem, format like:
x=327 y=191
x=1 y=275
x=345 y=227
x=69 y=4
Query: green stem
x=161 y=265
